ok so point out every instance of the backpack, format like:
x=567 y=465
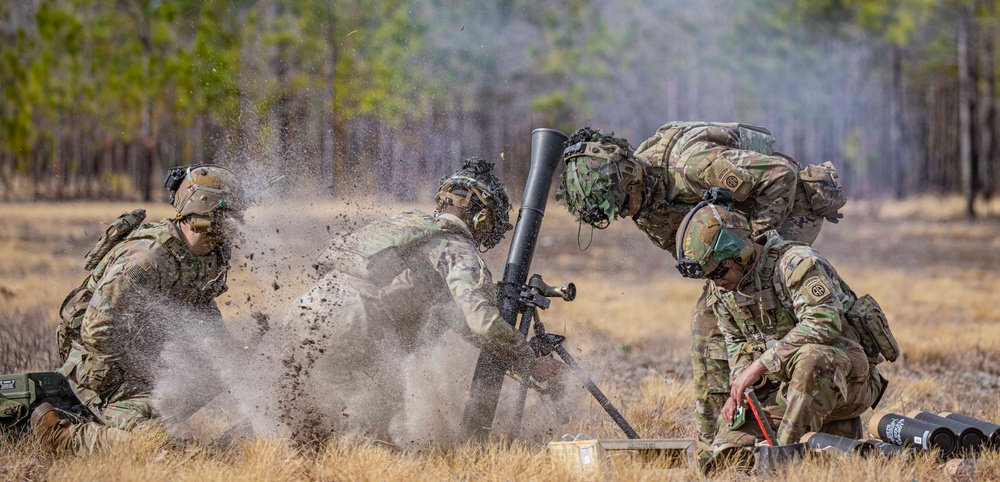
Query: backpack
x=75 y=304
x=820 y=183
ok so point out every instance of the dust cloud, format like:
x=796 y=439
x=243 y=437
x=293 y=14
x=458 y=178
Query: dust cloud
x=304 y=364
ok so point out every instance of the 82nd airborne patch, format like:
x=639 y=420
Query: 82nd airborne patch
x=730 y=180
x=815 y=289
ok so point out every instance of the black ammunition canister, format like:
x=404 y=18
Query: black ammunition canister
x=907 y=432
x=991 y=430
x=970 y=439
x=835 y=444
x=888 y=449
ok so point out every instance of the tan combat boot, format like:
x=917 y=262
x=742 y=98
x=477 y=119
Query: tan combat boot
x=51 y=431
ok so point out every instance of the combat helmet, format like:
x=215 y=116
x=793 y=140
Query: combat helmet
x=710 y=234
x=599 y=171
x=483 y=199
x=205 y=192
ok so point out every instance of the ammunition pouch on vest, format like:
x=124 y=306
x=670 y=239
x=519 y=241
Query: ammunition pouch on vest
x=822 y=188
x=868 y=319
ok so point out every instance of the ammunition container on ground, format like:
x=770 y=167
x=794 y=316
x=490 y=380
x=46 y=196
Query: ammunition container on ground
x=889 y=449
x=769 y=458
x=970 y=439
x=837 y=445
x=908 y=432
x=991 y=430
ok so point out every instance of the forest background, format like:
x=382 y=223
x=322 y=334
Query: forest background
x=98 y=98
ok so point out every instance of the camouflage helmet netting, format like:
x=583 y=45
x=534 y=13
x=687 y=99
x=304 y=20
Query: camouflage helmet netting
x=589 y=186
x=483 y=190
x=700 y=232
x=207 y=188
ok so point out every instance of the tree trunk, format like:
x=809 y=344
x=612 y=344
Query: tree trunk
x=991 y=139
x=896 y=124
x=965 y=113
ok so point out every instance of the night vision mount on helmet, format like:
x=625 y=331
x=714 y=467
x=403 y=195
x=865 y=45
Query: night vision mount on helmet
x=482 y=198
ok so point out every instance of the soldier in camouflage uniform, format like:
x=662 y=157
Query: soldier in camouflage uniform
x=783 y=311
x=148 y=283
x=389 y=289
x=666 y=176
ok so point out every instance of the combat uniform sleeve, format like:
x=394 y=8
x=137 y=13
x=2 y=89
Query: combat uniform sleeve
x=735 y=340
x=812 y=286
x=472 y=288
x=773 y=193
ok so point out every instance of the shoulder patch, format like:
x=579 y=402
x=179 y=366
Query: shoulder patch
x=722 y=172
x=801 y=269
x=815 y=289
x=731 y=180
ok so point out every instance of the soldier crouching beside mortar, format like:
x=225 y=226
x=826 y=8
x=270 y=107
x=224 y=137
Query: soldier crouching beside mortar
x=390 y=288
x=664 y=178
x=784 y=312
x=147 y=283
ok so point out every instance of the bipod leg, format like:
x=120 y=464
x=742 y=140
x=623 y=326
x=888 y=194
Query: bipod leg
x=522 y=395
x=597 y=393
x=522 y=390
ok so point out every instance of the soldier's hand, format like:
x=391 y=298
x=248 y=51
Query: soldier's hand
x=547 y=368
x=728 y=410
x=745 y=380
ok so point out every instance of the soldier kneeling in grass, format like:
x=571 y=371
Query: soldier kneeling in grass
x=388 y=289
x=149 y=283
x=794 y=330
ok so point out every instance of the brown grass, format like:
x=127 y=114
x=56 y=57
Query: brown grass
x=934 y=273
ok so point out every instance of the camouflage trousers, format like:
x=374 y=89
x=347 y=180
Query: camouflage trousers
x=121 y=419
x=824 y=388
x=121 y=413
x=711 y=370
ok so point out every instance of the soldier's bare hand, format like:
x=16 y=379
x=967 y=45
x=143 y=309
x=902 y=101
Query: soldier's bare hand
x=728 y=410
x=745 y=380
x=547 y=368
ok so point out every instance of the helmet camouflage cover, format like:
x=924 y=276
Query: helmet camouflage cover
x=589 y=186
x=205 y=189
x=482 y=198
x=709 y=235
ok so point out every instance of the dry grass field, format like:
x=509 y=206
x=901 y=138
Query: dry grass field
x=935 y=274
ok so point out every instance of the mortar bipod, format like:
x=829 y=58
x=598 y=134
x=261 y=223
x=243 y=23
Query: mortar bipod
x=535 y=295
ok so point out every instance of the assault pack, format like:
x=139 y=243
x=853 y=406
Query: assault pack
x=75 y=305
x=820 y=183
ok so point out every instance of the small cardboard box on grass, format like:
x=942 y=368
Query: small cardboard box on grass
x=592 y=454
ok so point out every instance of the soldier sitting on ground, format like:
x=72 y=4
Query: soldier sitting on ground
x=664 y=179
x=789 y=326
x=148 y=283
x=389 y=289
